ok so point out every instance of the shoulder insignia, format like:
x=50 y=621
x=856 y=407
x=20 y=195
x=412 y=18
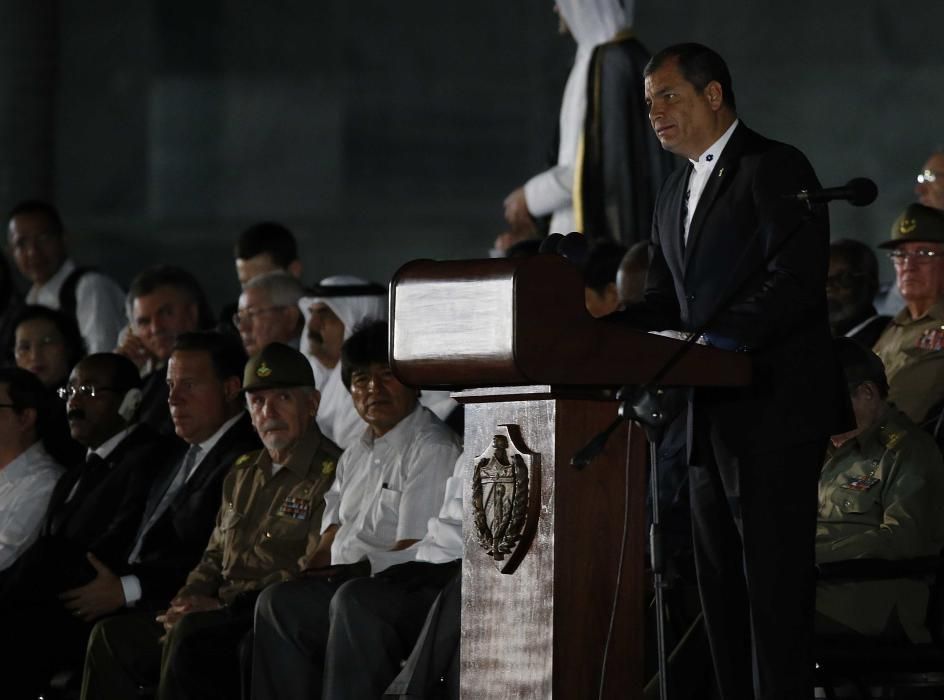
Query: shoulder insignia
x=244 y=458
x=327 y=467
x=890 y=437
x=263 y=370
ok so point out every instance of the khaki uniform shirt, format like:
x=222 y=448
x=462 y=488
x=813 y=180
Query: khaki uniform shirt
x=879 y=498
x=268 y=525
x=913 y=353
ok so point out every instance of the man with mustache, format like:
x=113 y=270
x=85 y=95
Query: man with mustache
x=163 y=302
x=851 y=286
x=92 y=518
x=268 y=523
x=912 y=346
x=336 y=307
x=389 y=483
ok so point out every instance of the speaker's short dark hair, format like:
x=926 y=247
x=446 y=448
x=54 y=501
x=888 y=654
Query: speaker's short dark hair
x=65 y=324
x=861 y=261
x=225 y=350
x=368 y=345
x=153 y=278
x=860 y=365
x=267 y=237
x=699 y=65
x=37 y=206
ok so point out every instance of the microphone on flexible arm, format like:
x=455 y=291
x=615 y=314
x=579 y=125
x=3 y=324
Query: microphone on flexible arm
x=859 y=192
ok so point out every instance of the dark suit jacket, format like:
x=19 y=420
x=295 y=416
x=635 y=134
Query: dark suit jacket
x=175 y=543
x=154 y=410
x=103 y=522
x=797 y=393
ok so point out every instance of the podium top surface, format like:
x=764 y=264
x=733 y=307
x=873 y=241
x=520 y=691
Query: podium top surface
x=472 y=323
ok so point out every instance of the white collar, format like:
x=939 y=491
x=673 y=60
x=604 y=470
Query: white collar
x=211 y=441
x=107 y=447
x=707 y=160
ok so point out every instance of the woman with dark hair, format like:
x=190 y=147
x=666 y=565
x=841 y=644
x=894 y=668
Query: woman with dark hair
x=11 y=303
x=48 y=344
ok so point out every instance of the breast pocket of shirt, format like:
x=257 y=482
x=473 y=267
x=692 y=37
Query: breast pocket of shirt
x=856 y=504
x=385 y=514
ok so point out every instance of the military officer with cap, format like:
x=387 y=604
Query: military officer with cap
x=879 y=494
x=912 y=347
x=269 y=523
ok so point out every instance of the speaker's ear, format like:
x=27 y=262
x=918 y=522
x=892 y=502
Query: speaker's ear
x=129 y=404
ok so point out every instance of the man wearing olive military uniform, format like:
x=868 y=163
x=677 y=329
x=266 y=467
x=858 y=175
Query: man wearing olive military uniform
x=879 y=497
x=912 y=346
x=268 y=524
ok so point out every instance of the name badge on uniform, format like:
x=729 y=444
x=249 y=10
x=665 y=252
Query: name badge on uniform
x=860 y=483
x=931 y=339
x=296 y=508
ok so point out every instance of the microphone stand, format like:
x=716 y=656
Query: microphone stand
x=644 y=405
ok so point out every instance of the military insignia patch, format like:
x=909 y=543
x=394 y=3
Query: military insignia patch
x=243 y=459
x=907 y=226
x=931 y=339
x=327 y=467
x=860 y=483
x=263 y=371
x=296 y=508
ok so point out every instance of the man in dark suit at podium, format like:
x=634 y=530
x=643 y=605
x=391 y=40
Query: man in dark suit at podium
x=755 y=451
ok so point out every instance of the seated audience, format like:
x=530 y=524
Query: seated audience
x=929 y=188
x=48 y=344
x=376 y=620
x=599 y=277
x=338 y=305
x=27 y=472
x=388 y=484
x=11 y=302
x=93 y=515
x=268 y=311
x=851 y=286
x=37 y=239
x=163 y=302
x=880 y=492
x=268 y=523
x=912 y=346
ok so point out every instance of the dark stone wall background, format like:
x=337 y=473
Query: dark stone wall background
x=382 y=131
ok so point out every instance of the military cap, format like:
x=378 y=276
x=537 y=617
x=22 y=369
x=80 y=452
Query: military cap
x=917 y=223
x=277 y=365
x=859 y=363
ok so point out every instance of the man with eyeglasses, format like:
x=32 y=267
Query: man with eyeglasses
x=930 y=182
x=912 y=347
x=268 y=311
x=93 y=515
x=28 y=473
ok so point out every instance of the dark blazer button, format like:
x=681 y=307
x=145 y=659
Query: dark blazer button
x=691 y=297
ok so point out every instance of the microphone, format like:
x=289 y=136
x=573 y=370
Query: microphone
x=859 y=191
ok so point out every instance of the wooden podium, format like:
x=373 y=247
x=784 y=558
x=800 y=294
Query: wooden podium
x=537 y=375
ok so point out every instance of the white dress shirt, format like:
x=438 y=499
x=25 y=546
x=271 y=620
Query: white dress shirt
x=443 y=540
x=99 y=305
x=386 y=489
x=701 y=171
x=26 y=485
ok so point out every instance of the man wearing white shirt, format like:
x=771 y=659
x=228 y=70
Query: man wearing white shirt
x=375 y=621
x=37 y=240
x=27 y=473
x=388 y=484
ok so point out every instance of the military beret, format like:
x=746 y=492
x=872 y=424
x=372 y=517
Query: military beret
x=917 y=223
x=277 y=366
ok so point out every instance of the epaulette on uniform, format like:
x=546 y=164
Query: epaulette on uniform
x=246 y=459
x=890 y=436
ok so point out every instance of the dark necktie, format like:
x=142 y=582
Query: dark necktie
x=176 y=484
x=93 y=471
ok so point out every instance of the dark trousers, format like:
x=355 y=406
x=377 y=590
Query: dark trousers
x=754 y=520
x=375 y=623
x=199 y=659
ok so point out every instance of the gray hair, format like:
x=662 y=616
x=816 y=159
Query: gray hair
x=282 y=288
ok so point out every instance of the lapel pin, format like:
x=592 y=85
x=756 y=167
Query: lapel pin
x=721 y=172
